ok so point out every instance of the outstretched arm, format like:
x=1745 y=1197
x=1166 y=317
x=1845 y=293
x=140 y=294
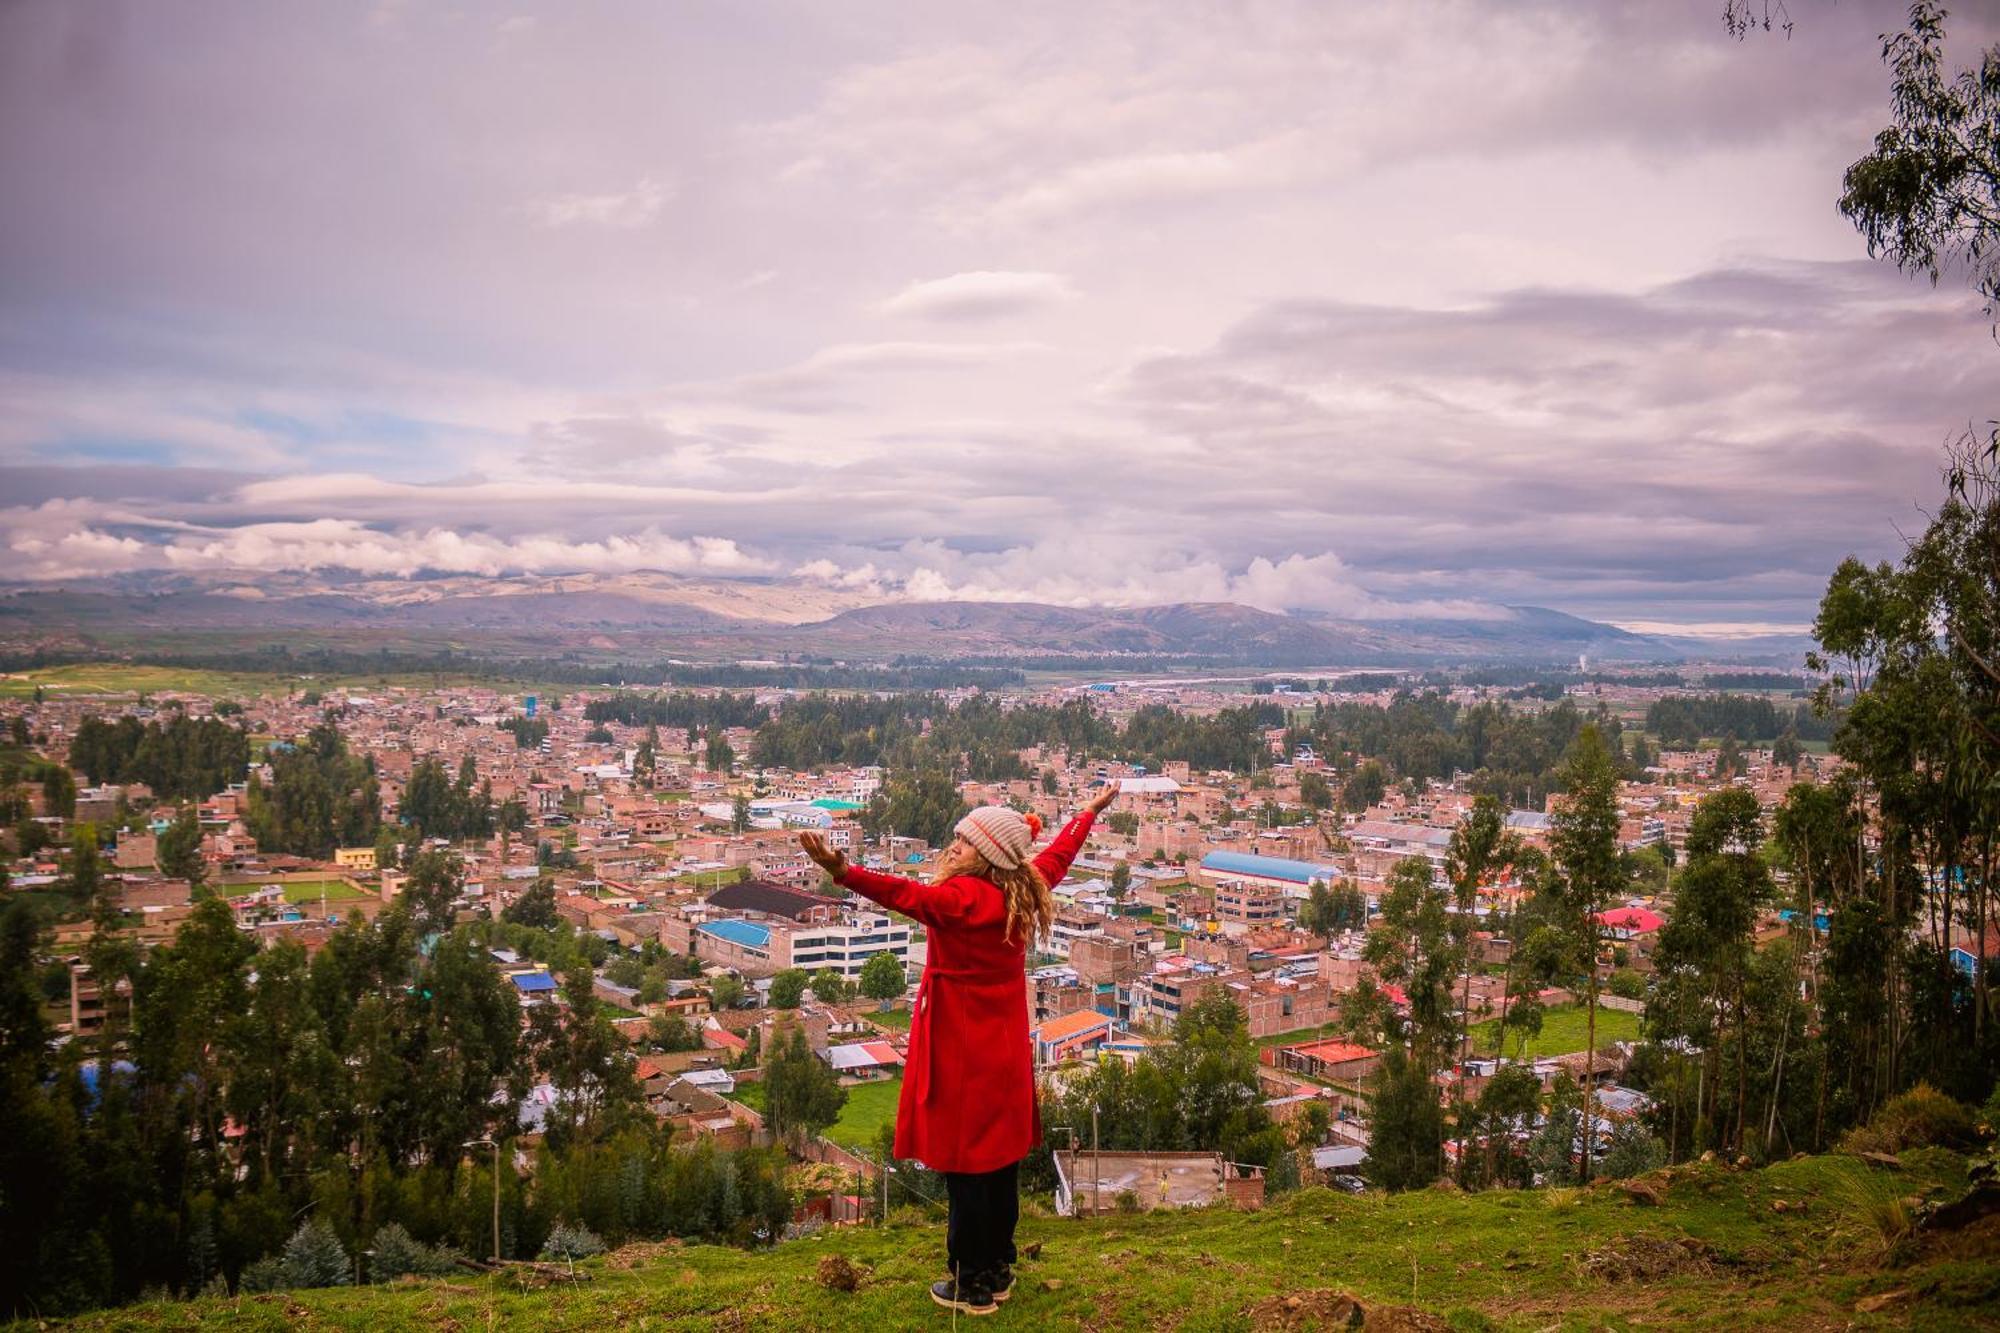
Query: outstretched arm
x=932 y=904
x=1054 y=862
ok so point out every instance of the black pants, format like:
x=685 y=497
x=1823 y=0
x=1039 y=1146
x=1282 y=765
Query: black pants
x=979 y=1233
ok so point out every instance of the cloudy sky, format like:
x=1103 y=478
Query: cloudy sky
x=1353 y=307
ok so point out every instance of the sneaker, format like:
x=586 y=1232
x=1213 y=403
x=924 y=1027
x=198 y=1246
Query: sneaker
x=1001 y=1280
x=973 y=1296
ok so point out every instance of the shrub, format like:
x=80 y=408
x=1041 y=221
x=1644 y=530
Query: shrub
x=1634 y=1151
x=1921 y=1117
x=571 y=1242
x=1628 y=984
x=314 y=1257
x=398 y=1254
x=266 y=1274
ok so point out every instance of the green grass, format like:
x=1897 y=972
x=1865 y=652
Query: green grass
x=1323 y=1032
x=869 y=1107
x=893 y=1018
x=1564 y=1031
x=139 y=678
x=337 y=891
x=1501 y=1260
x=131 y=678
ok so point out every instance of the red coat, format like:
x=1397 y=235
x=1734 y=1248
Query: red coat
x=968 y=1101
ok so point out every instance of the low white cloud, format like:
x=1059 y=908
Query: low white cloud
x=68 y=540
x=619 y=210
x=980 y=295
x=1099 y=572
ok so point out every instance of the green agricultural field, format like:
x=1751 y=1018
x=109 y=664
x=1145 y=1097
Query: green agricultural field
x=335 y=891
x=130 y=678
x=1714 y=1252
x=1564 y=1030
x=893 y=1018
x=139 y=678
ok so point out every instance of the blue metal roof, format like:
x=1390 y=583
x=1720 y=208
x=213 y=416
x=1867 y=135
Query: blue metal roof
x=534 y=982
x=1270 y=867
x=740 y=932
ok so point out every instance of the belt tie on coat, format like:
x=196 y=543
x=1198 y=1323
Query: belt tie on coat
x=972 y=974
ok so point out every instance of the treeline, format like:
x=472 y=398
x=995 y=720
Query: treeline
x=1755 y=680
x=1687 y=719
x=1502 y=677
x=235 y=1091
x=804 y=676
x=1513 y=754
x=680 y=708
x=980 y=738
x=181 y=759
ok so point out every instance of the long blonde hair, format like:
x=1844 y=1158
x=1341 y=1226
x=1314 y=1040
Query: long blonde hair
x=1031 y=907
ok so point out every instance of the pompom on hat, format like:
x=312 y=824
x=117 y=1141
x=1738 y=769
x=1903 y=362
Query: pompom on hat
x=1003 y=836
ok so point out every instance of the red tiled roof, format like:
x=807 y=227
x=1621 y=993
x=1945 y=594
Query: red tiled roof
x=1636 y=919
x=1071 y=1025
x=1333 y=1052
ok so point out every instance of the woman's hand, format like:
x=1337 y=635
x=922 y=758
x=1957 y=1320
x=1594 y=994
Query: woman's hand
x=832 y=862
x=1103 y=798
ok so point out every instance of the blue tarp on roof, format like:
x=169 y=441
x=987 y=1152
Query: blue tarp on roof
x=1270 y=867
x=530 y=983
x=740 y=932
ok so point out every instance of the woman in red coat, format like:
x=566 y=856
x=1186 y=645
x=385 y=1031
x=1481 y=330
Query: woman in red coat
x=968 y=1102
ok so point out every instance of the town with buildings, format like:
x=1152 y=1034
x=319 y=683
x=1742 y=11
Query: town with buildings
x=669 y=844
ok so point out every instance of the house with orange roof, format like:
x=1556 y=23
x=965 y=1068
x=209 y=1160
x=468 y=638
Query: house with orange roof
x=1071 y=1035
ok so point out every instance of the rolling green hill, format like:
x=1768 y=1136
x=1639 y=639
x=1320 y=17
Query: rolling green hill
x=1812 y=1243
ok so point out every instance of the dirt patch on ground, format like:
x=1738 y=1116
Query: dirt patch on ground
x=639 y=1254
x=1338 y=1309
x=837 y=1274
x=1648 y=1259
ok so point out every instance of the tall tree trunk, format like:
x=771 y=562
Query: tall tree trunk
x=1742 y=1062
x=1590 y=1059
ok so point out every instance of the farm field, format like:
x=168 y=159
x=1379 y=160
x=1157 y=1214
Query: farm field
x=132 y=678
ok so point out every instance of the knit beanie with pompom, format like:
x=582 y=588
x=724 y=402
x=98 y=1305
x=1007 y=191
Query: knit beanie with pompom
x=1003 y=836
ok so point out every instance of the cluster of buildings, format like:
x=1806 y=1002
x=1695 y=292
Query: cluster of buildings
x=1187 y=895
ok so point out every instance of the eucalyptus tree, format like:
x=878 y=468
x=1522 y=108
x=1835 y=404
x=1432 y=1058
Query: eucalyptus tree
x=1592 y=875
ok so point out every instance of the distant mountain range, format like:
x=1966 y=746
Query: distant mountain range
x=646 y=615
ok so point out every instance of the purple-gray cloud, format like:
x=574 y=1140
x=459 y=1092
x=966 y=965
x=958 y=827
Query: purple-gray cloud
x=1355 y=308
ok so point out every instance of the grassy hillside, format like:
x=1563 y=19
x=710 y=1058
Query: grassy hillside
x=1717 y=1250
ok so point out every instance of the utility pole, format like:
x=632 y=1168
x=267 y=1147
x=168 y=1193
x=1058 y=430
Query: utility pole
x=1096 y=1169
